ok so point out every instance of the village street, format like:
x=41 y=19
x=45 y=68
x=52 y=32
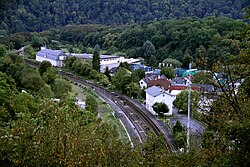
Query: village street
x=195 y=126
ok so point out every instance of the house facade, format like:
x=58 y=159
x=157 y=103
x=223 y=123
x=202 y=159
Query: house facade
x=155 y=94
x=159 y=94
x=55 y=57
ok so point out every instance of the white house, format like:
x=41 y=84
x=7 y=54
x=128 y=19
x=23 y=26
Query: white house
x=155 y=94
x=55 y=57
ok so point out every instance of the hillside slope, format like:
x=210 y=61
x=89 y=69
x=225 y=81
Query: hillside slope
x=38 y=15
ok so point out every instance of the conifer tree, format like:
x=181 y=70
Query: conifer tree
x=96 y=58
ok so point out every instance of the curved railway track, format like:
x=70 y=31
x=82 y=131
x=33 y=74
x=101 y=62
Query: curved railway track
x=136 y=114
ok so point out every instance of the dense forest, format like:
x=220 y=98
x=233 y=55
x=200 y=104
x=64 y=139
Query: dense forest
x=37 y=15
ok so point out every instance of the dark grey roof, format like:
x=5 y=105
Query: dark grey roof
x=154 y=91
x=205 y=87
x=177 y=81
x=51 y=54
x=153 y=77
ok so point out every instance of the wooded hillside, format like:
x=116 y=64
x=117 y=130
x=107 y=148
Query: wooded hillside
x=206 y=40
x=37 y=15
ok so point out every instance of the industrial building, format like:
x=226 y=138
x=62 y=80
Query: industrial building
x=55 y=57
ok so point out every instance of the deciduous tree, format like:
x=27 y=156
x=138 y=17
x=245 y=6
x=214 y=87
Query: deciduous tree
x=91 y=104
x=46 y=92
x=186 y=60
x=168 y=72
x=60 y=86
x=44 y=66
x=121 y=79
x=181 y=101
x=160 y=108
x=148 y=49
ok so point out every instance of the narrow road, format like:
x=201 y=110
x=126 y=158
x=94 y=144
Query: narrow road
x=195 y=126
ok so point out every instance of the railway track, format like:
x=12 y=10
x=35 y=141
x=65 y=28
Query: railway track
x=141 y=120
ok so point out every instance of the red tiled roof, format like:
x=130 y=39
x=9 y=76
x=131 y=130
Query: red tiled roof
x=183 y=87
x=160 y=82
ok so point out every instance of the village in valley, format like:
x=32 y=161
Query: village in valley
x=158 y=87
x=125 y=83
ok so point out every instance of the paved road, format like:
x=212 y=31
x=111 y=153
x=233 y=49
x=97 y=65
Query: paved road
x=195 y=126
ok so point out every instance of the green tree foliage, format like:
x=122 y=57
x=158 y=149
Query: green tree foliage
x=203 y=78
x=172 y=62
x=181 y=101
x=7 y=90
x=60 y=87
x=186 y=60
x=44 y=66
x=29 y=52
x=51 y=135
x=125 y=65
x=39 y=15
x=46 y=92
x=178 y=127
x=24 y=103
x=69 y=62
x=106 y=72
x=5 y=63
x=2 y=50
x=148 y=49
x=179 y=134
x=168 y=72
x=93 y=74
x=208 y=40
x=103 y=79
x=133 y=90
x=160 y=108
x=201 y=55
x=153 y=61
x=96 y=58
x=91 y=104
x=31 y=79
x=137 y=75
x=49 y=75
x=81 y=67
x=121 y=79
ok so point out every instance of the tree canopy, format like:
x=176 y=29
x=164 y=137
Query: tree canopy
x=160 y=108
x=96 y=58
x=181 y=101
x=37 y=15
x=168 y=72
x=207 y=40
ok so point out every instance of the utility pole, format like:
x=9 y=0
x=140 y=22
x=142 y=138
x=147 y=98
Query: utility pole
x=189 y=92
